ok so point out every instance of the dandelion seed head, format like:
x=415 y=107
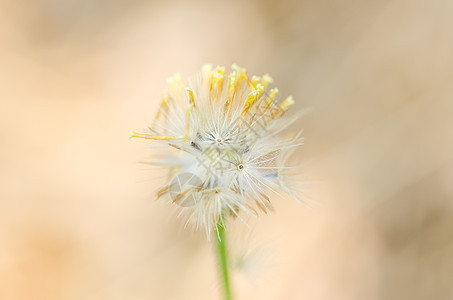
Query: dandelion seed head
x=221 y=136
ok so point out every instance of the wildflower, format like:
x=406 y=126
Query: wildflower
x=221 y=135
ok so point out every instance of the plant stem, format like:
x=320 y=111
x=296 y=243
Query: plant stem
x=223 y=258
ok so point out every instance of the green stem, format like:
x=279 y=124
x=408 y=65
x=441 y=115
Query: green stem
x=223 y=258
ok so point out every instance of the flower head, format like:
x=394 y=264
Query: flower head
x=221 y=136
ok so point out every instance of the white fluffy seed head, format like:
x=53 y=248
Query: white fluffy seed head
x=221 y=137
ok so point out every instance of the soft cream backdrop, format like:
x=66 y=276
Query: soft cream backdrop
x=77 y=213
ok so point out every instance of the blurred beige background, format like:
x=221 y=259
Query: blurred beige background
x=78 y=218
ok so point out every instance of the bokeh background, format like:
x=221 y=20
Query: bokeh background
x=78 y=218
